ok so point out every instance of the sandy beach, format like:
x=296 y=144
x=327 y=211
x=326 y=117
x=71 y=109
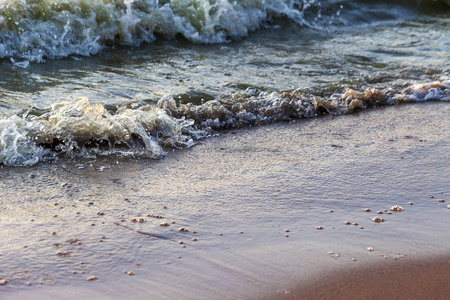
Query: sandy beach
x=278 y=211
x=410 y=279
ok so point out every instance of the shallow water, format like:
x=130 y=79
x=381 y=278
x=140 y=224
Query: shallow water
x=316 y=49
x=327 y=172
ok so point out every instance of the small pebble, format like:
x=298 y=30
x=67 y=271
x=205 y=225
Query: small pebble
x=164 y=224
x=356 y=224
x=286 y=235
x=138 y=220
x=370 y=249
x=241 y=232
x=287 y=230
x=92 y=278
x=411 y=203
x=180 y=242
x=129 y=273
x=320 y=228
x=431 y=196
x=354 y=259
x=448 y=206
x=100 y=213
x=220 y=234
x=379 y=212
x=155 y=216
x=182 y=229
x=377 y=220
x=194 y=239
x=348 y=223
x=397 y=208
x=367 y=209
x=441 y=200
x=3 y=282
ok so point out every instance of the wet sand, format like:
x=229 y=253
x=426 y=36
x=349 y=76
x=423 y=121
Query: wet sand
x=410 y=279
x=270 y=213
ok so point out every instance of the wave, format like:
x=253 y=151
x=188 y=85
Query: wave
x=39 y=29
x=35 y=30
x=81 y=129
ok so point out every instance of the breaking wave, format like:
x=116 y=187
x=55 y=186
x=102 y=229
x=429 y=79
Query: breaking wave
x=35 y=30
x=82 y=129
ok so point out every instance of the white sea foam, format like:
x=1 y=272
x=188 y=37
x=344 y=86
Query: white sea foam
x=39 y=30
x=82 y=129
x=16 y=147
x=42 y=29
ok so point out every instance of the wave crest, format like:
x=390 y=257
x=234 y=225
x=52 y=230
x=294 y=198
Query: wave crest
x=39 y=29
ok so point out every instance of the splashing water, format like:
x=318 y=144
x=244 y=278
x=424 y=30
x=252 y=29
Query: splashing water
x=83 y=129
x=40 y=29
